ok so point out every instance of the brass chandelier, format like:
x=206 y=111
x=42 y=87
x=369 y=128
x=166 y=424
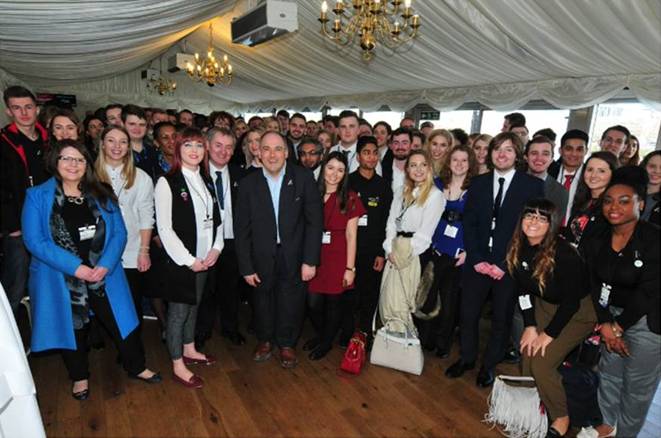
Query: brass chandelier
x=210 y=70
x=371 y=20
x=162 y=85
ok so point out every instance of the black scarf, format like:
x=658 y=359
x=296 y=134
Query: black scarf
x=79 y=289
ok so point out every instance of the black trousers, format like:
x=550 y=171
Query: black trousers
x=130 y=349
x=222 y=291
x=139 y=282
x=449 y=282
x=326 y=314
x=475 y=290
x=364 y=298
x=280 y=305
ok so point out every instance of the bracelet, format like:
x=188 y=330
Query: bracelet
x=616 y=332
x=351 y=269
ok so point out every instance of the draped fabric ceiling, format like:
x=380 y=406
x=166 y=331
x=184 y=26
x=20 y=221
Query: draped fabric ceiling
x=571 y=53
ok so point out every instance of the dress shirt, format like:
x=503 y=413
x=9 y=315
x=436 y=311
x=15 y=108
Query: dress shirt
x=202 y=204
x=382 y=152
x=398 y=177
x=420 y=220
x=137 y=207
x=275 y=185
x=226 y=212
x=352 y=157
x=509 y=176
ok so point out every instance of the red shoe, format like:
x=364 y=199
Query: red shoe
x=288 y=358
x=262 y=352
x=210 y=360
x=195 y=381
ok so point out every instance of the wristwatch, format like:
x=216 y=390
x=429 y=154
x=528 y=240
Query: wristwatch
x=351 y=269
x=616 y=332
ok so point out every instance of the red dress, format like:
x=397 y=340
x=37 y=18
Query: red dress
x=334 y=254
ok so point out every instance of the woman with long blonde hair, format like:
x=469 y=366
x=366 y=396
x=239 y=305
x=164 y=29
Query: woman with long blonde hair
x=557 y=310
x=438 y=144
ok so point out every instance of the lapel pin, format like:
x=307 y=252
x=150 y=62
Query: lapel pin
x=290 y=183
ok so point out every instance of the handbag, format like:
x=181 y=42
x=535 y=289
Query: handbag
x=399 y=351
x=518 y=409
x=355 y=357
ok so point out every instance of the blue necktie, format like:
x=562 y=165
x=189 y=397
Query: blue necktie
x=219 y=189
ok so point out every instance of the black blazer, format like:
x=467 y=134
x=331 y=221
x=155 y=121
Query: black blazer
x=300 y=221
x=236 y=173
x=478 y=215
x=386 y=166
x=554 y=168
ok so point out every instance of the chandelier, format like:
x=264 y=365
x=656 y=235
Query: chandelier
x=371 y=20
x=210 y=70
x=161 y=85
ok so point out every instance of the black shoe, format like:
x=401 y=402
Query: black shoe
x=156 y=378
x=458 y=369
x=485 y=378
x=511 y=357
x=319 y=353
x=81 y=395
x=553 y=433
x=101 y=345
x=428 y=347
x=311 y=344
x=235 y=338
x=442 y=353
x=344 y=341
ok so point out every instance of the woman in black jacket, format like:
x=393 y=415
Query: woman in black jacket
x=623 y=264
x=557 y=310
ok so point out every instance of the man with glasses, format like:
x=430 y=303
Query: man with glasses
x=521 y=130
x=310 y=154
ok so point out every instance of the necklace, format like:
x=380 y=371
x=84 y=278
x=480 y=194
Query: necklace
x=78 y=200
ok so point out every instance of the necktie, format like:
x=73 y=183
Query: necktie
x=568 y=180
x=499 y=198
x=219 y=189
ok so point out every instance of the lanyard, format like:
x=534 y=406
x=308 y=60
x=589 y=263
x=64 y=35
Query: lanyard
x=203 y=199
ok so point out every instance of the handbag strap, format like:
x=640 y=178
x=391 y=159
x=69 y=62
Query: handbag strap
x=517 y=378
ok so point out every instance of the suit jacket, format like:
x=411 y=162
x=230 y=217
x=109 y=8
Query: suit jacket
x=478 y=216
x=52 y=322
x=558 y=194
x=386 y=166
x=554 y=168
x=300 y=222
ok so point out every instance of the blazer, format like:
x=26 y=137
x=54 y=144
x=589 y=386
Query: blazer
x=300 y=220
x=386 y=166
x=478 y=216
x=52 y=321
x=558 y=194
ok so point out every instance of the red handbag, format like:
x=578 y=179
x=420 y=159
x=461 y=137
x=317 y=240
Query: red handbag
x=355 y=357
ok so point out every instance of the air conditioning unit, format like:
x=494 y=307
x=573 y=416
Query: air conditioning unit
x=179 y=61
x=269 y=20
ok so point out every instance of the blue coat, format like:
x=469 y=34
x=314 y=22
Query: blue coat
x=52 y=320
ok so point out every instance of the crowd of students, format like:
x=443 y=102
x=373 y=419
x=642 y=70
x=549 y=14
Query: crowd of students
x=333 y=219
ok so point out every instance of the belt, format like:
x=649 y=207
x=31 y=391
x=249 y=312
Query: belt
x=405 y=234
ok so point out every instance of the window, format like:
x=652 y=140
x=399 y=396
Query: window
x=452 y=120
x=492 y=121
x=316 y=117
x=642 y=121
x=390 y=117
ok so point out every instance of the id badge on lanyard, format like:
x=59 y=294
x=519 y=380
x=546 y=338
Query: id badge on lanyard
x=87 y=232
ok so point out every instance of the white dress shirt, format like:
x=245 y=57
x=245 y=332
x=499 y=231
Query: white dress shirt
x=398 y=177
x=225 y=213
x=203 y=206
x=420 y=220
x=506 y=185
x=572 y=189
x=137 y=207
x=352 y=157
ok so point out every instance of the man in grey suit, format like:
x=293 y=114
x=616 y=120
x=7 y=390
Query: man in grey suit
x=539 y=154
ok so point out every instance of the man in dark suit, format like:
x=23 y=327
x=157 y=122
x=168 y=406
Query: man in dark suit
x=277 y=228
x=494 y=203
x=223 y=288
x=573 y=148
x=539 y=155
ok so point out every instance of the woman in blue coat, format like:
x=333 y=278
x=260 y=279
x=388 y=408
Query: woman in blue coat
x=76 y=235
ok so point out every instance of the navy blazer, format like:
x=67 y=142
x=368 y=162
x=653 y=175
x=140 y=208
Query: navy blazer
x=300 y=219
x=478 y=215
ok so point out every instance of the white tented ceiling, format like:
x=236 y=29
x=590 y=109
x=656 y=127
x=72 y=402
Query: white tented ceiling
x=502 y=53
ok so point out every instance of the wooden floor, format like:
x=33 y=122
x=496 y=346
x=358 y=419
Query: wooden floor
x=246 y=399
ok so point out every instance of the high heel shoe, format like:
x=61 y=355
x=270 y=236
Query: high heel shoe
x=81 y=395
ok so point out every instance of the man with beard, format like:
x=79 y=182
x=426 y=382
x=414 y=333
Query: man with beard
x=376 y=196
x=310 y=153
x=296 y=131
x=393 y=164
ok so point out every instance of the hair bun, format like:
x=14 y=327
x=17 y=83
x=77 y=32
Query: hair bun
x=633 y=176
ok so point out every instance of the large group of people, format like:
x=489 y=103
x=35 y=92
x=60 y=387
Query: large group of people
x=336 y=220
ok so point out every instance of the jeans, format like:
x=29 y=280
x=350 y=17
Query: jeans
x=15 y=266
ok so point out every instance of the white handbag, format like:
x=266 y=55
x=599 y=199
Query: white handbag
x=399 y=351
x=517 y=409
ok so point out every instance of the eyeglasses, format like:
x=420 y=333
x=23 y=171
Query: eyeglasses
x=71 y=160
x=311 y=153
x=537 y=217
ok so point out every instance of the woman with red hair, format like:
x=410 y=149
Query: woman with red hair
x=188 y=221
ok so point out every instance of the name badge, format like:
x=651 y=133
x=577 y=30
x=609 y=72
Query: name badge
x=326 y=238
x=524 y=302
x=605 y=295
x=373 y=203
x=86 y=233
x=208 y=223
x=451 y=231
x=362 y=221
